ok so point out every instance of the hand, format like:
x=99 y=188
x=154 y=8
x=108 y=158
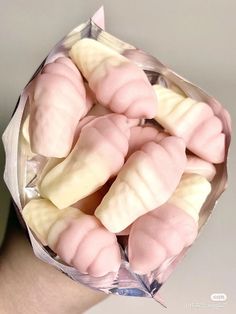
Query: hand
x=28 y=285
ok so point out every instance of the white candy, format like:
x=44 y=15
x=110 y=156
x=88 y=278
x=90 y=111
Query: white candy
x=41 y=214
x=82 y=53
x=191 y=194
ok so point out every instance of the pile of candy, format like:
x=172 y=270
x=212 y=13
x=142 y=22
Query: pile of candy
x=113 y=173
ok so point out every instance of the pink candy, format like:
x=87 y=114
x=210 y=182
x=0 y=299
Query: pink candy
x=125 y=89
x=194 y=121
x=142 y=135
x=95 y=127
x=99 y=154
x=85 y=244
x=57 y=103
x=146 y=181
x=117 y=83
x=159 y=235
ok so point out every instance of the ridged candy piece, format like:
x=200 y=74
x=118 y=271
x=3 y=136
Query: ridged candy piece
x=159 y=235
x=79 y=239
x=141 y=135
x=194 y=121
x=85 y=244
x=117 y=82
x=165 y=231
x=191 y=194
x=57 y=103
x=146 y=181
x=80 y=126
x=98 y=154
x=96 y=111
x=50 y=164
x=200 y=166
x=40 y=214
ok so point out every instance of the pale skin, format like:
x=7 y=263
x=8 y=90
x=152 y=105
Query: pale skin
x=28 y=285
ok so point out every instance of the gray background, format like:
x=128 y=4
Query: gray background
x=197 y=40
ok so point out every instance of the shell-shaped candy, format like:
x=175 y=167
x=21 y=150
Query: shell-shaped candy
x=96 y=111
x=116 y=81
x=41 y=214
x=141 y=135
x=98 y=154
x=191 y=194
x=159 y=235
x=57 y=102
x=165 y=231
x=201 y=167
x=146 y=181
x=79 y=239
x=85 y=244
x=194 y=121
x=80 y=125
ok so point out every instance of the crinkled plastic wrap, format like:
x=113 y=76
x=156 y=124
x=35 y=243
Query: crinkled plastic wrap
x=23 y=168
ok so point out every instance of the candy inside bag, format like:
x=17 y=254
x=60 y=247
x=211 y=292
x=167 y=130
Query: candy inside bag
x=24 y=175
